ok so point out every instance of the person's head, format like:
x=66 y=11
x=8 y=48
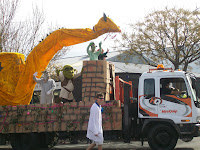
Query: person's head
x=166 y=84
x=68 y=71
x=100 y=98
x=46 y=75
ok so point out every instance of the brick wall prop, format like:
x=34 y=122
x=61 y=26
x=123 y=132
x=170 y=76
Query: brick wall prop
x=56 y=117
x=97 y=76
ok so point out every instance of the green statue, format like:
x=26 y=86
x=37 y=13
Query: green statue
x=93 y=54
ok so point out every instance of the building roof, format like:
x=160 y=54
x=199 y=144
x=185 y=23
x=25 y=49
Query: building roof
x=123 y=63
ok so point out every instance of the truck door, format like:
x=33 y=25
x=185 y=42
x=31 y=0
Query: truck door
x=147 y=100
x=175 y=100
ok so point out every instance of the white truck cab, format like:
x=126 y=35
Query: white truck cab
x=167 y=101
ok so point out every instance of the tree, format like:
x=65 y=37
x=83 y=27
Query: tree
x=21 y=36
x=169 y=36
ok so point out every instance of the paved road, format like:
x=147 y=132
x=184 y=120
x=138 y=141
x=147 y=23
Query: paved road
x=193 y=145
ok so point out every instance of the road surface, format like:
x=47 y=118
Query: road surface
x=193 y=145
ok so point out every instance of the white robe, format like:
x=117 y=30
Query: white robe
x=64 y=93
x=95 y=124
x=50 y=85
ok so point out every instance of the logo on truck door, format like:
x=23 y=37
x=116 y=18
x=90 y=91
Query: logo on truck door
x=146 y=108
x=155 y=101
x=168 y=104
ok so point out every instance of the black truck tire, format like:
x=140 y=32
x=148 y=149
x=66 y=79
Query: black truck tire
x=25 y=141
x=48 y=140
x=162 y=137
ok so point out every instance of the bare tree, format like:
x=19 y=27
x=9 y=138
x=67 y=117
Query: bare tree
x=7 y=12
x=21 y=36
x=170 y=35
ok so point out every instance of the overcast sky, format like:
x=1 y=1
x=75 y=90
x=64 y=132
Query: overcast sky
x=86 y=13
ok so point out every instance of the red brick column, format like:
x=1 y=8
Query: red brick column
x=96 y=77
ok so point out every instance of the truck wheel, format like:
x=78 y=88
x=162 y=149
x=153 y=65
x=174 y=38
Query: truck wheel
x=187 y=138
x=27 y=141
x=162 y=137
x=48 y=140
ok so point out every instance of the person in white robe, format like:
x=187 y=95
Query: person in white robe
x=95 y=130
x=47 y=88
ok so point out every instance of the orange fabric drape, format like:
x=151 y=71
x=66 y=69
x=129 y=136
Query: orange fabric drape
x=16 y=75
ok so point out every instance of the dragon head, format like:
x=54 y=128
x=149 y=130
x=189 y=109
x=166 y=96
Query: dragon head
x=106 y=24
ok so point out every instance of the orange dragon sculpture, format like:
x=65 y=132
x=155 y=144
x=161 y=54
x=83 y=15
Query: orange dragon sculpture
x=16 y=74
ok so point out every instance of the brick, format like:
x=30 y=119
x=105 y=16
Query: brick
x=38 y=118
x=119 y=117
x=41 y=127
x=10 y=113
x=107 y=126
x=21 y=107
x=83 y=111
x=76 y=126
x=73 y=104
x=31 y=107
x=52 y=117
x=117 y=103
x=86 y=80
x=77 y=111
x=85 y=99
x=66 y=117
x=100 y=70
x=63 y=126
x=84 y=69
x=3 y=114
x=85 y=63
x=114 y=116
x=86 y=85
x=44 y=106
x=98 y=89
x=91 y=69
x=87 y=117
x=19 y=128
x=92 y=62
x=73 y=117
x=87 y=94
x=66 y=105
x=11 y=128
x=56 y=126
x=92 y=99
x=88 y=104
x=14 y=108
x=117 y=125
x=1 y=108
x=84 y=75
x=116 y=110
x=84 y=127
x=97 y=80
x=102 y=85
x=70 y=111
x=81 y=104
x=92 y=94
x=30 y=118
x=101 y=62
x=50 y=126
x=69 y=125
x=83 y=91
x=21 y=119
x=88 y=89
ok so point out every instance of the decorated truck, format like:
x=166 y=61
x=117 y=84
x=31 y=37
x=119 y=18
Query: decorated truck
x=158 y=117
